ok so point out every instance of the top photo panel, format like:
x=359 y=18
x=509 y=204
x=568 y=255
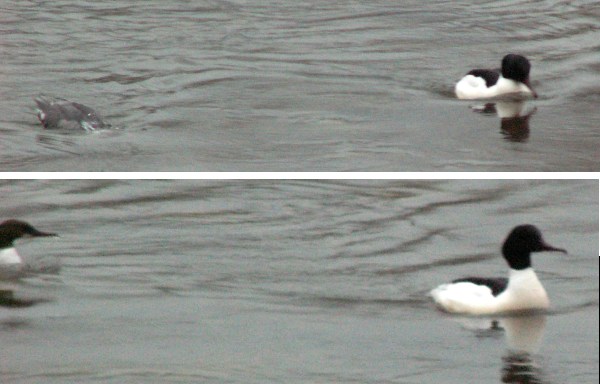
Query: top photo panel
x=395 y=86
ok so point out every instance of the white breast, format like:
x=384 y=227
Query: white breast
x=9 y=256
x=524 y=292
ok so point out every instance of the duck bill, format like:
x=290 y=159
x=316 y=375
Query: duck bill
x=36 y=233
x=533 y=92
x=548 y=248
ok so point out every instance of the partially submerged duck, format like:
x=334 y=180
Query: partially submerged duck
x=56 y=113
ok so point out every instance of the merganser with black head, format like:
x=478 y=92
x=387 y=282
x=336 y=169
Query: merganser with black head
x=11 y=230
x=55 y=113
x=521 y=291
x=512 y=78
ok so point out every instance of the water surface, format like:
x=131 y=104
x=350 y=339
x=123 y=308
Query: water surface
x=289 y=281
x=296 y=85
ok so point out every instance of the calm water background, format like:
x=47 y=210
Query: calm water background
x=286 y=281
x=296 y=85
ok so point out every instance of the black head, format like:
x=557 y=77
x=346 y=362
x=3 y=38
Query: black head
x=519 y=244
x=12 y=229
x=515 y=67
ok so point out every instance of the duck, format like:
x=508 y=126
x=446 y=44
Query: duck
x=511 y=79
x=11 y=230
x=521 y=291
x=57 y=113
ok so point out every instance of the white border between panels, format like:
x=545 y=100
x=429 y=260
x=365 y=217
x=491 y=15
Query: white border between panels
x=303 y=175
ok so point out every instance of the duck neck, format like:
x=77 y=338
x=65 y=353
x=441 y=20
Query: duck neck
x=518 y=260
x=6 y=241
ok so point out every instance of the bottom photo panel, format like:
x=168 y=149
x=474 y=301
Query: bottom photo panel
x=299 y=281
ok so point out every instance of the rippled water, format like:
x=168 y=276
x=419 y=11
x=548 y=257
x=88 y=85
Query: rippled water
x=296 y=85
x=290 y=281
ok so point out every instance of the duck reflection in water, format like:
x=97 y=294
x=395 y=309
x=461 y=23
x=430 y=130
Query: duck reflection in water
x=523 y=336
x=9 y=300
x=514 y=118
x=523 y=332
x=13 y=297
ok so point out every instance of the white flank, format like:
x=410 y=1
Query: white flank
x=471 y=87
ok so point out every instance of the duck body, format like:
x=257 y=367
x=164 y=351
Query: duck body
x=511 y=79
x=55 y=113
x=472 y=87
x=523 y=291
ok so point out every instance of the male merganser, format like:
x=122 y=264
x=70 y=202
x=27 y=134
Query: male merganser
x=512 y=78
x=56 y=113
x=521 y=291
x=11 y=230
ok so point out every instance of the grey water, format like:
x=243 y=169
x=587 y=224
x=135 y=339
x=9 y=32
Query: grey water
x=245 y=85
x=291 y=281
